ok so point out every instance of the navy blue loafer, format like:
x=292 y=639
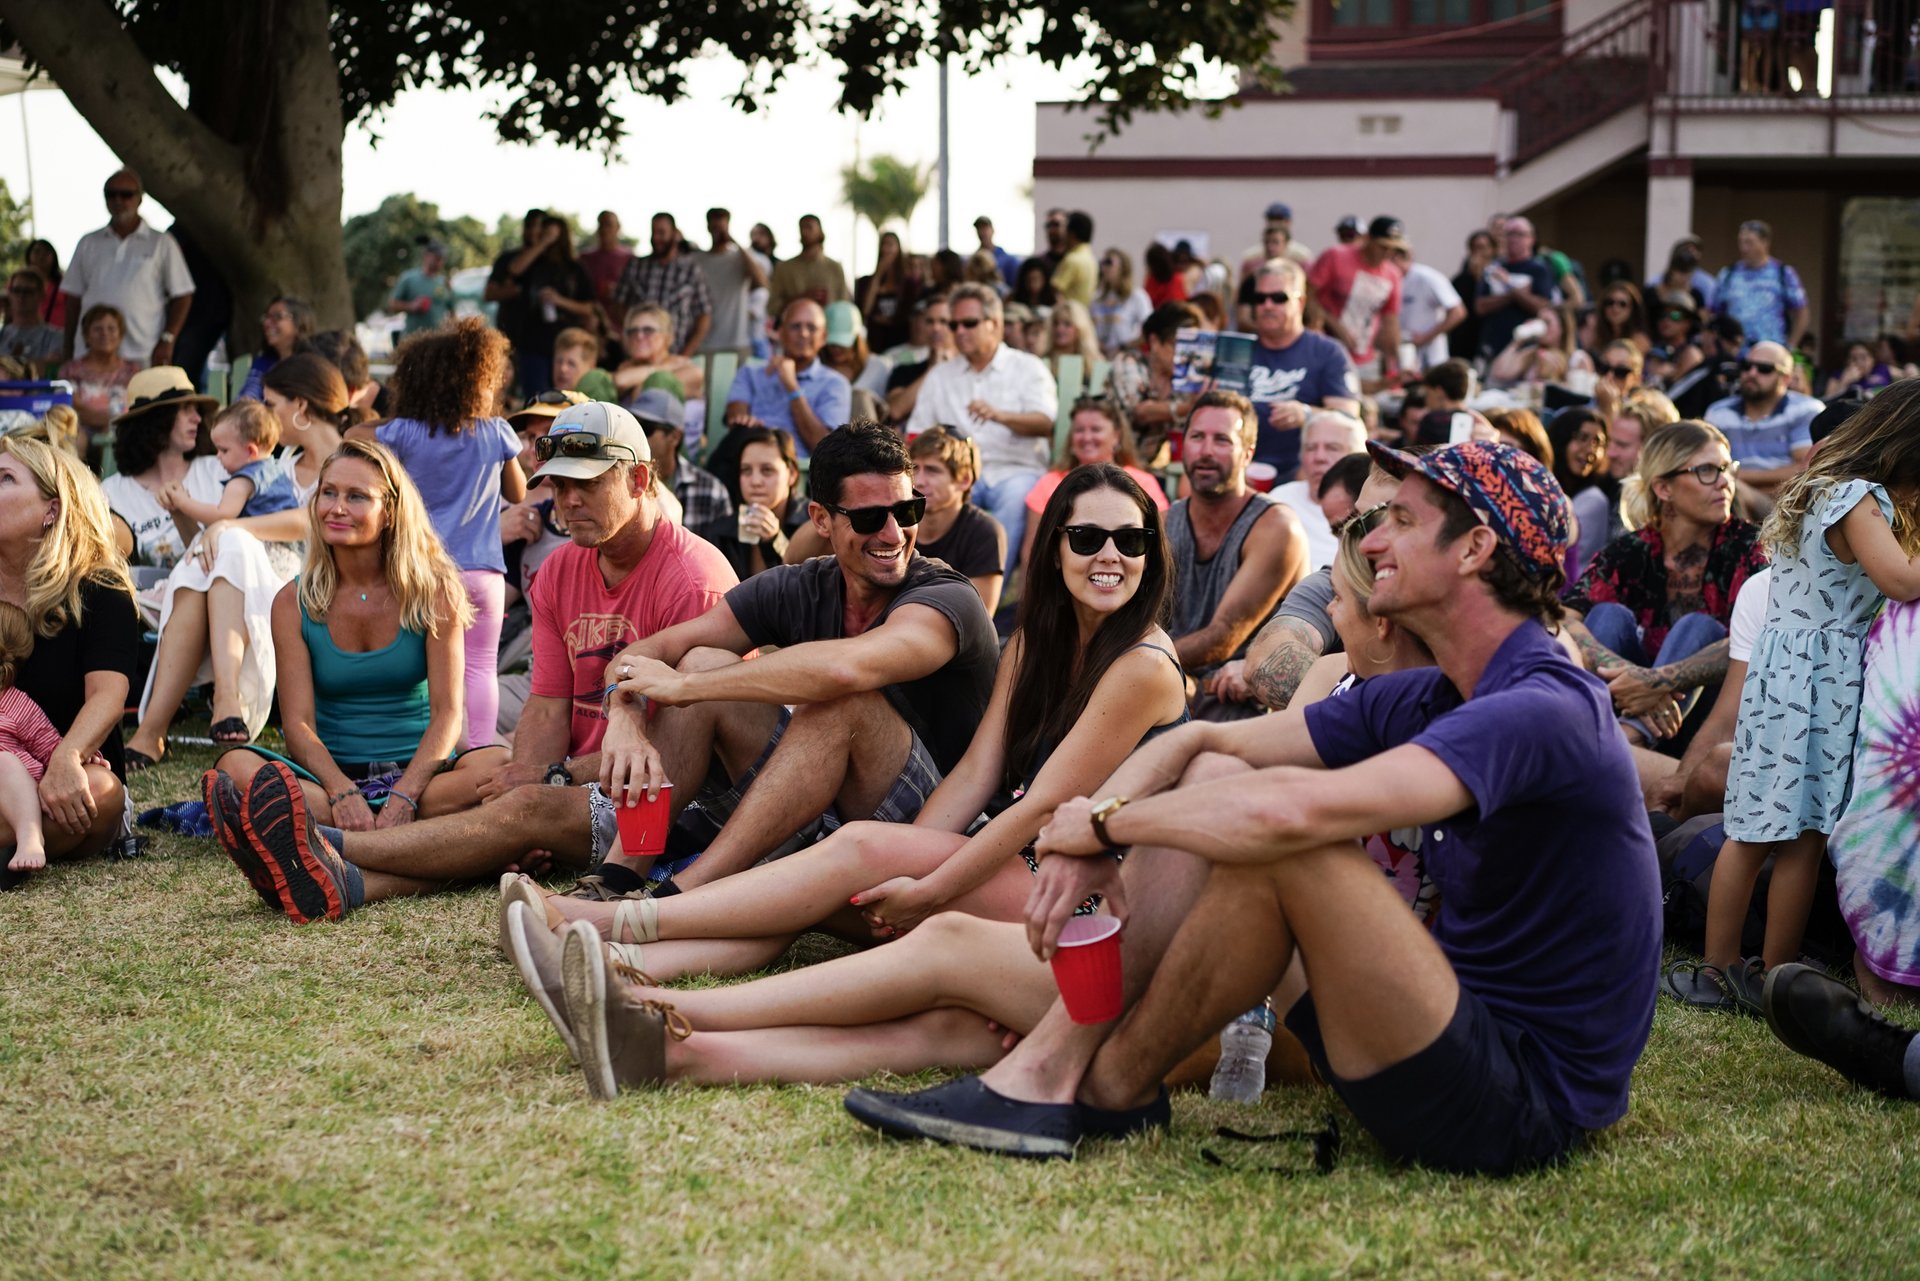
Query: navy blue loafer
x=968 y=1114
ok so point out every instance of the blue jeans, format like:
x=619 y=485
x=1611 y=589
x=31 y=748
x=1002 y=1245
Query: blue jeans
x=1005 y=499
x=1612 y=624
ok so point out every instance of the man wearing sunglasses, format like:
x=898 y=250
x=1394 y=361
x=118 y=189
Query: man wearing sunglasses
x=1005 y=398
x=1477 y=1041
x=1768 y=426
x=135 y=268
x=26 y=337
x=883 y=670
x=1294 y=370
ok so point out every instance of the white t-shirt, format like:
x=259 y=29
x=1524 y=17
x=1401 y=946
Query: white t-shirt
x=1013 y=382
x=1426 y=296
x=1322 y=544
x=156 y=539
x=136 y=275
x=1749 y=616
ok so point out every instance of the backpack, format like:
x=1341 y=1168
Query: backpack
x=1687 y=853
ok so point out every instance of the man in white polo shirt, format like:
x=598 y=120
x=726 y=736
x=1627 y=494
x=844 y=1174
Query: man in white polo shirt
x=135 y=268
x=1004 y=398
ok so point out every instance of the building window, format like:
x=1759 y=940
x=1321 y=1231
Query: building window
x=1378 y=19
x=1879 y=264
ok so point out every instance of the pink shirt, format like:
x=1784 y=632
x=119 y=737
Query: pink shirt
x=579 y=622
x=1043 y=489
x=1356 y=293
x=26 y=732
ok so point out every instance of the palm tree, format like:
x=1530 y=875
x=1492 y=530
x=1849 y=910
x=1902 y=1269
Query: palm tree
x=889 y=189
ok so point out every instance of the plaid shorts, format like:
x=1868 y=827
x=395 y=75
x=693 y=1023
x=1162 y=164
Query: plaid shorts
x=918 y=777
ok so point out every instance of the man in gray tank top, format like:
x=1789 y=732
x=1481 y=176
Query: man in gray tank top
x=1236 y=552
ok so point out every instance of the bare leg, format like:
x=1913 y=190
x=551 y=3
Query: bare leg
x=1729 y=893
x=108 y=799
x=454 y=791
x=226 y=644
x=1383 y=989
x=953 y=960
x=175 y=663
x=1796 y=875
x=20 y=807
x=826 y=1055
x=1160 y=886
x=848 y=752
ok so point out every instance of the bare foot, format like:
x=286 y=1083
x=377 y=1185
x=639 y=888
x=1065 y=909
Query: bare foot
x=1879 y=991
x=28 y=858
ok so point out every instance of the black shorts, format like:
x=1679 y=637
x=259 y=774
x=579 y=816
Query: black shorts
x=1470 y=1102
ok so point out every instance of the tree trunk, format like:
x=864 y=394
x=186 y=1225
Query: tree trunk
x=260 y=192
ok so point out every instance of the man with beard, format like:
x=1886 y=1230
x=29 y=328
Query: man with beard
x=1768 y=427
x=808 y=274
x=1236 y=551
x=1293 y=370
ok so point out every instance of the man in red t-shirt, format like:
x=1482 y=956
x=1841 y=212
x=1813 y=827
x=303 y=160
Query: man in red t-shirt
x=1357 y=288
x=627 y=574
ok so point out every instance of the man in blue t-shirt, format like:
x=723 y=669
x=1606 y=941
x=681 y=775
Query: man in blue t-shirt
x=1513 y=290
x=1491 y=1043
x=1294 y=371
x=1761 y=292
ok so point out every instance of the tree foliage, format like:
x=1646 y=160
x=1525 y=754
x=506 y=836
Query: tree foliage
x=15 y=215
x=887 y=189
x=382 y=244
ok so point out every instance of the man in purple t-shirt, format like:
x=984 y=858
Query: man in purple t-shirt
x=1485 y=1045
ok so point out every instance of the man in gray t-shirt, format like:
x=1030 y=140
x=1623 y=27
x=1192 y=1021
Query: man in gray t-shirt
x=731 y=273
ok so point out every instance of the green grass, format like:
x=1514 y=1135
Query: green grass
x=189 y=1086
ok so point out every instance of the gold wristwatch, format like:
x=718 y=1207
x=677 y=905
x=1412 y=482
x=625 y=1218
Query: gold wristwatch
x=1101 y=813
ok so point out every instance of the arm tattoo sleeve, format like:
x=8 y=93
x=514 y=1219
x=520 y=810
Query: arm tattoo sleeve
x=1596 y=654
x=1707 y=667
x=1295 y=644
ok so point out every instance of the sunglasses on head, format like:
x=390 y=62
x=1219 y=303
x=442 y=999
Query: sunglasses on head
x=1130 y=541
x=551 y=398
x=1705 y=473
x=582 y=444
x=1280 y=297
x=1757 y=367
x=1618 y=371
x=871 y=520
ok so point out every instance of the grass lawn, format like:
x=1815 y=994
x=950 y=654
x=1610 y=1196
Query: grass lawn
x=189 y=1086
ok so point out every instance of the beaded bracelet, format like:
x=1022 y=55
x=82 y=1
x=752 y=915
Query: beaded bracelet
x=354 y=790
x=395 y=794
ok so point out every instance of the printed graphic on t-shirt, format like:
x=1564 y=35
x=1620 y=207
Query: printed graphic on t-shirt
x=1364 y=301
x=1275 y=384
x=593 y=639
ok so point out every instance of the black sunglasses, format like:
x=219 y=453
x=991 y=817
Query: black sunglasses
x=1618 y=371
x=1282 y=297
x=1756 y=367
x=582 y=444
x=871 y=520
x=1360 y=524
x=122 y=193
x=1705 y=473
x=552 y=398
x=1131 y=541
x=971 y=322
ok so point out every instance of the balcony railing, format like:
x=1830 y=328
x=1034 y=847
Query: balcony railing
x=1756 y=55
x=1565 y=89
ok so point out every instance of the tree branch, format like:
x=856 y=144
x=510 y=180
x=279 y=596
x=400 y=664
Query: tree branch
x=84 y=46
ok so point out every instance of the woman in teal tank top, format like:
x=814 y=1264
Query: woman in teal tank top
x=368 y=647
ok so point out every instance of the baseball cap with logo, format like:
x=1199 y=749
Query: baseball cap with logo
x=1510 y=492
x=585 y=440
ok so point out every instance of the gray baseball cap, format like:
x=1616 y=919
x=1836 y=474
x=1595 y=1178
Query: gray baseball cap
x=621 y=439
x=658 y=407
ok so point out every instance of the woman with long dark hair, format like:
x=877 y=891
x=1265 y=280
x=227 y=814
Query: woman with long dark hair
x=1088 y=675
x=1579 y=439
x=286 y=327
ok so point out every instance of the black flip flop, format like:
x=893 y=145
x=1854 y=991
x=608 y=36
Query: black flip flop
x=138 y=760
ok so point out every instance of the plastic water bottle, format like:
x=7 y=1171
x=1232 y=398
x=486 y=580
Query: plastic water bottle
x=1242 y=1073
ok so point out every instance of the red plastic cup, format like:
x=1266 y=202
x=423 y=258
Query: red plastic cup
x=1262 y=476
x=1086 y=968
x=643 y=825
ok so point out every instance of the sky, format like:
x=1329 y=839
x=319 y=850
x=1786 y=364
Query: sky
x=771 y=166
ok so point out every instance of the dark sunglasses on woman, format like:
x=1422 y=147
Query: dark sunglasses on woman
x=1131 y=541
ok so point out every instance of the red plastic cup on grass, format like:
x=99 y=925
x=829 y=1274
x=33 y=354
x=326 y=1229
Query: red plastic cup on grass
x=1086 y=967
x=643 y=824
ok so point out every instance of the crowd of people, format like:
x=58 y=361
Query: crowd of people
x=1389 y=708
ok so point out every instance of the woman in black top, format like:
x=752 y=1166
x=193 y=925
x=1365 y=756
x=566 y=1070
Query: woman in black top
x=59 y=563
x=762 y=475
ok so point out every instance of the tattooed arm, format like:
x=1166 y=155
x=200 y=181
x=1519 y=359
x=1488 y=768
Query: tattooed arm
x=1279 y=657
x=1640 y=689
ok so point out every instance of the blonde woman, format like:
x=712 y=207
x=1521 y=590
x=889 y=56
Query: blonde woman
x=59 y=564
x=1655 y=602
x=368 y=641
x=1071 y=333
x=1119 y=308
x=647 y=338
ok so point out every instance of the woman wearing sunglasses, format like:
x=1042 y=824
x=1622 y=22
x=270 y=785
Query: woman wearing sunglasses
x=368 y=643
x=1655 y=601
x=1621 y=317
x=1088 y=675
x=1677 y=353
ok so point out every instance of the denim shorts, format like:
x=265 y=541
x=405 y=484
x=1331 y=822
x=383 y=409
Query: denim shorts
x=919 y=775
x=1470 y=1102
